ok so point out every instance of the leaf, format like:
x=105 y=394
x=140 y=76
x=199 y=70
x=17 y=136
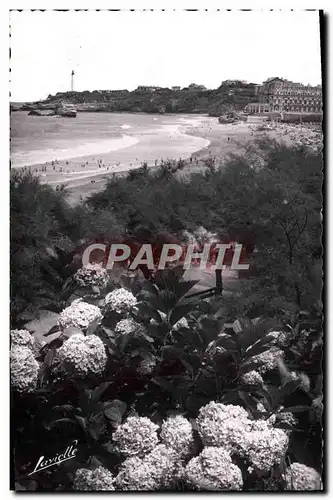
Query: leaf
x=95 y=462
x=226 y=342
x=179 y=312
x=54 y=329
x=92 y=327
x=49 y=357
x=98 y=391
x=183 y=287
x=71 y=330
x=260 y=346
x=164 y=384
x=250 y=403
x=82 y=422
x=63 y=420
x=209 y=329
x=296 y=409
x=26 y=485
x=115 y=410
x=110 y=448
x=290 y=387
x=63 y=408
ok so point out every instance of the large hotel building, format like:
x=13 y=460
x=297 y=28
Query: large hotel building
x=279 y=95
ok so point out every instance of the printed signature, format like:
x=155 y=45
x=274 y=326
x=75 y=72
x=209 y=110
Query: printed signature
x=43 y=463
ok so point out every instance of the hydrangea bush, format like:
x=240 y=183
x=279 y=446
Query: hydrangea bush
x=162 y=394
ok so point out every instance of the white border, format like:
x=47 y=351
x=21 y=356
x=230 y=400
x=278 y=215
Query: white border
x=4 y=171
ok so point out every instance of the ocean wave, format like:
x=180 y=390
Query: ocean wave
x=125 y=126
x=98 y=148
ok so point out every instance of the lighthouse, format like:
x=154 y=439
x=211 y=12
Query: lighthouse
x=72 y=80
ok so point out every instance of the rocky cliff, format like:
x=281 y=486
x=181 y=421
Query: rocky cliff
x=215 y=102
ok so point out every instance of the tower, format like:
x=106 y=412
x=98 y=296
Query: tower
x=72 y=80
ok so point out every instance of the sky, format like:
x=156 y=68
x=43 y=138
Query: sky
x=117 y=50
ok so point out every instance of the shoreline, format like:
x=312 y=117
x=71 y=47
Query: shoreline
x=151 y=146
x=217 y=141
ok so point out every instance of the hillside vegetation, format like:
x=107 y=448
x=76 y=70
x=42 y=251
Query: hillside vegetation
x=225 y=98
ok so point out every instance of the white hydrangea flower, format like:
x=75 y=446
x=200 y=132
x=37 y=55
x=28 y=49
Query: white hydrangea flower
x=283 y=417
x=189 y=237
x=26 y=339
x=137 y=436
x=120 y=300
x=267 y=360
x=299 y=477
x=279 y=338
x=126 y=326
x=147 y=364
x=22 y=338
x=100 y=479
x=80 y=315
x=164 y=465
x=181 y=323
x=177 y=433
x=80 y=355
x=23 y=369
x=135 y=475
x=263 y=445
x=222 y=425
x=92 y=275
x=213 y=470
x=252 y=378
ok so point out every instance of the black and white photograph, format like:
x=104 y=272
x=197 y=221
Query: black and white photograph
x=166 y=250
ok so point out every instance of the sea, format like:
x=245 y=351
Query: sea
x=39 y=139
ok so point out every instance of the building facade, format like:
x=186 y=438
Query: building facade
x=277 y=94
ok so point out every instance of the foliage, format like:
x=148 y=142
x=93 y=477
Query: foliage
x=197 y=358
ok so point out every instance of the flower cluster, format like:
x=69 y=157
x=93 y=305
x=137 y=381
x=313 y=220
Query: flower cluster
x=22 y=338
x=252 y=378
x=203 y=236
x=26 y=339
x=24 y=369
x=92 y=275
x=126 y=326
x=135 y=475
x=176 y=432
x=213 y=470
x=267 y=360
x=99 y=479
x=159 y=469
x=165 y=466
x=80 y=355
x=137 y=436
x=229 y=427
x=120 y=301
x=80 y=315
x=283 y=417
x=299 y=477
x=222 y=425
x=263 y=445
x=147 y=364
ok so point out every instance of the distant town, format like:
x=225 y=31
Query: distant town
x=275 y=96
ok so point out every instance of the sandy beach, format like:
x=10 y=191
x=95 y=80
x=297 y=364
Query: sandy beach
x=197 y=137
